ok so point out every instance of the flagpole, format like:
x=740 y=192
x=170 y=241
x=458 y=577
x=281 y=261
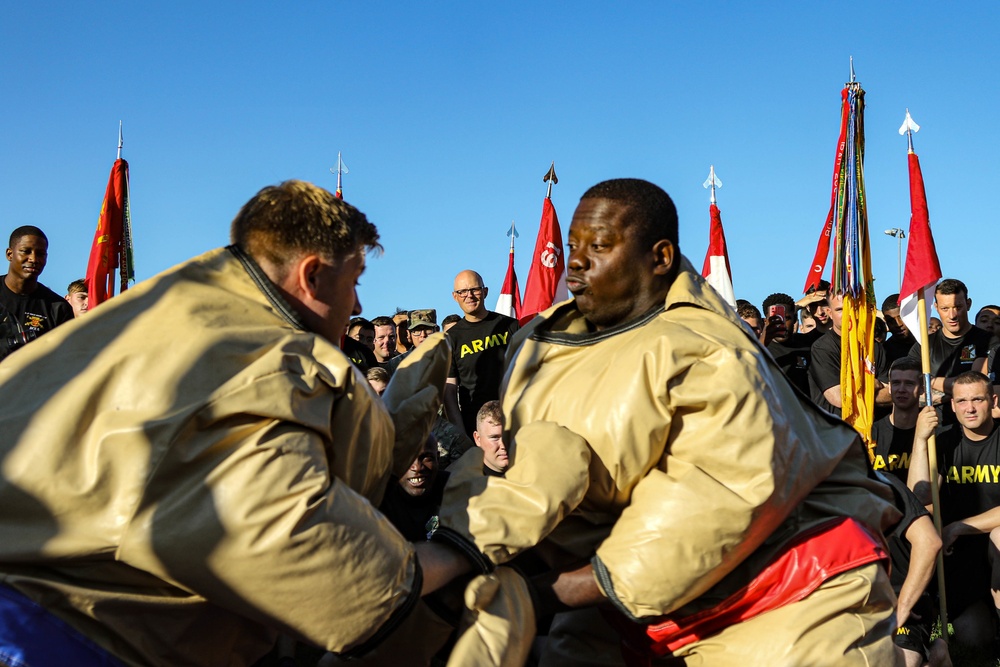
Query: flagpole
x=120 y=141
x=909 y=126
x=340 y=171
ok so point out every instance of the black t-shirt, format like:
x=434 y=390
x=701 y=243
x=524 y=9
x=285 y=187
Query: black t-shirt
x=897 y=347
x=893 y=446
x=899 y=547
x=410 y=514
x=359 y=355
x=951 y=357
x=30 y=315
x=970 y=472
x=824 y=371
x=794 y=356
x=477 y=355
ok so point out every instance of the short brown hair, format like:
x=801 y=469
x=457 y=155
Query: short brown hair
x=286 y=220
x=491 y=412
x=77 y=286
x=975 y=377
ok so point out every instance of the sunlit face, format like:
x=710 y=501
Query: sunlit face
x=973 y=405
x=609 y=271
x=385 y=341
x=420 y=334
x=335 y=298
x=954 y=312
x=906 y=388
x=753 y=323
x=470 y=293
x=836 y=311
x=419 y=478
x=489 y=438
x=820 y=310
x=79 y=301
x=808 y=324
x=27 y=257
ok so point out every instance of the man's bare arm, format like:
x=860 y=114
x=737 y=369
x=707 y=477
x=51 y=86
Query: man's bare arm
x=832 y=395
x=926 y=544
x=919 y=476
x=451 y=410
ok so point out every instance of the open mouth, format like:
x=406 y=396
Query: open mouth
x=416 y=482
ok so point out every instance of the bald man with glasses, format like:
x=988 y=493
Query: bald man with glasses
x=479 y=341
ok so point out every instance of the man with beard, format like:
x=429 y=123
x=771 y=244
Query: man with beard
x=28 y=308
x=666 y=469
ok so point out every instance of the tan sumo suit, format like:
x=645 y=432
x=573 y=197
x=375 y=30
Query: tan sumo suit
x=187 y=472
x=672 y=452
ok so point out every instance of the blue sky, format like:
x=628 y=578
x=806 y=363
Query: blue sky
x=448 y=115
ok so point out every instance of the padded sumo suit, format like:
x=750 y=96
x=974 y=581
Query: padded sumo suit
x=188 y=471
x=728 y=520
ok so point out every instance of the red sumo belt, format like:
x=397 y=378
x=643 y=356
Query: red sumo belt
x=832 y=548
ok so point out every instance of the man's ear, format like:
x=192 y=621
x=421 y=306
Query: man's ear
x=663 y=257
x=10 y=255
x=303 y=277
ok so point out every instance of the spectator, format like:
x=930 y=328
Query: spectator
x=933 y=325
x=893 y=435
x=988 y=319
x=378 y=378
x=958 y=347
x=824 y=371
x=901 y=340
x=422 y=323
x=208 y=480
x=28 y=308
x=362 y=331
x=478 y=344
x=749 y=314
x=450 y=321
x=76 y=297
x=807 y=323
x=385 y=339
x=816 y=302
x=415 y=497
x=489 y=438
x=969 y=454
x=792 y=351
x=402 y=321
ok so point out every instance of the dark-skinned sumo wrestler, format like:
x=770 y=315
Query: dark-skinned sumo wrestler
x=670 y=476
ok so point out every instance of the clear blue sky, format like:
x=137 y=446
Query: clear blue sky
x=448 y=115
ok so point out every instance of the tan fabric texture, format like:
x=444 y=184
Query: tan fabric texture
x=703 y=461
x=184 y=472
x=498 y=625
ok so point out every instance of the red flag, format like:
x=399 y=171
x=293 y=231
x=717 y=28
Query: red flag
x=546 y=283
x=823 y=247
x=922 y=270
x=716 y=268
x=110 y=247
x=509 y=303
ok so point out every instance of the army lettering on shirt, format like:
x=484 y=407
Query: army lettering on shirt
x=477 y=354
x=892 y=448
x=971 y=473
x=483 y=344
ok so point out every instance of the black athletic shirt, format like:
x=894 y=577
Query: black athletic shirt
x=31 y=314
x=794 y=356
x=477 y=353
x=970 y=472
x=892 y=448
x=824 y=371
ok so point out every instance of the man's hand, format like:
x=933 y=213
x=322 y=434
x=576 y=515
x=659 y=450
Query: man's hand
x=950 y=533
x=927 y=423
x=774 y=328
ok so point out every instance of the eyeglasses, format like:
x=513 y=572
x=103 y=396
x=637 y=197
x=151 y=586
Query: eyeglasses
x=474 y=291
x=423 y=331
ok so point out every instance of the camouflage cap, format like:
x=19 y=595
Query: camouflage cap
x=423 y=318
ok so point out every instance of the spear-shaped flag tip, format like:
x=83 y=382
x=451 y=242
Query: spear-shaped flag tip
x=908 y=124
x=513 y=230
x=550 y=175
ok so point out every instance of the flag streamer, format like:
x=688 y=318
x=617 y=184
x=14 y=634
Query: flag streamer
x=546 y=278
x=112 y=246
x=851 y=274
